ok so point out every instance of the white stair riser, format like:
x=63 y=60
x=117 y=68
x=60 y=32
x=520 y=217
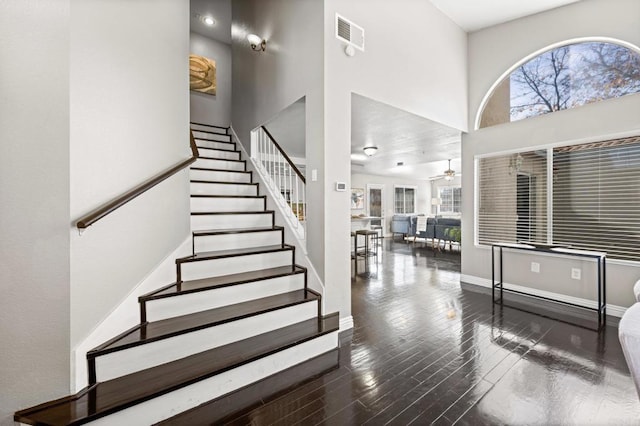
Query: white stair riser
x=195 y=127
x=234 y=265
x=219 y=164
x=208 y=204
x=180 y=400
x=219 y=176
x=184 y=304
x=197 y=134
x=222 y=154
x=215 y=145
x=222 y=189
x=230 y=221
x=236 y=241
x=137 y=358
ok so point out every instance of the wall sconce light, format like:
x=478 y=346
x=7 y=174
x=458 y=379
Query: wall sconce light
x=370 y=150
x=257 y=43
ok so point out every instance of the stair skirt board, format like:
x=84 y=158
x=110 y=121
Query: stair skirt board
x=183 y=304
x=235 y=241
x=137 y=358
x=234 y=265
x=222 y=154
x=211 y=163
x=222 y=145
x=219 y=175
x=205 y=203
x=182 y=399
x=223 y=410
x=231 y=221
x=222 y=188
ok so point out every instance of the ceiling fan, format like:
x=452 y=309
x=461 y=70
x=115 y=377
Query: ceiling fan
x=448 y=174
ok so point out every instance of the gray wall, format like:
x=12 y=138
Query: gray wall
x=129 y=122
x=404 y=39
x=265 y=83
x=491 y=52
x=206 y=108
x=34 y=212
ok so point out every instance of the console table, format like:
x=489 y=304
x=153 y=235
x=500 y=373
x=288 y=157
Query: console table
x=599 y=257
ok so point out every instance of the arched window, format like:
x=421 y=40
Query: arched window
x=574 y=74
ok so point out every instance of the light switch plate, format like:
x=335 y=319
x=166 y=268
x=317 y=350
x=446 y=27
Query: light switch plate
x=535 y=267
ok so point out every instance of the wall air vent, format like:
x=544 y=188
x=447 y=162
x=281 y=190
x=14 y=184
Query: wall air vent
x=349 y=32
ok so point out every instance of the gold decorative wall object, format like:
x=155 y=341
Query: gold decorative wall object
x=202 y=74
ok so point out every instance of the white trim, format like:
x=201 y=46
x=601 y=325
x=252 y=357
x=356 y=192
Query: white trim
x=538 y=52
x=346 y=323
x=612 y=310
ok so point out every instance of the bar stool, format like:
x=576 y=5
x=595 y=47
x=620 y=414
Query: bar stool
x=370 y=245
x=355 y=245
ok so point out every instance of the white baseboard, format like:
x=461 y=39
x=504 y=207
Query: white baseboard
x=613 y=310
x=346 y=323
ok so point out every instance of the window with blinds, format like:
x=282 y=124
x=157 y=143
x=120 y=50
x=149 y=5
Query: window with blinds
x=512 y=198
x=404 y=199
x=450 y=197
x=596 y=197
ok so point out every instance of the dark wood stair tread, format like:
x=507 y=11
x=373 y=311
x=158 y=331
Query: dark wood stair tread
x=210 y=132
x=222 y=281
x=219 y=170
x=227 y=196
x=117 y=394
x=219 y=149
x=222 y=182
x=207 y=255
x=242 y=401
x=166 y=328
x=205 y=232
x=202 y=157
x=234 y=213
x=225 y=128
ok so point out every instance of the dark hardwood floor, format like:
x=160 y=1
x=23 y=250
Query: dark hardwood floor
x=425 y=351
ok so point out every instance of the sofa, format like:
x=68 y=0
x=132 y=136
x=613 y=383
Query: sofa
x=436 y=229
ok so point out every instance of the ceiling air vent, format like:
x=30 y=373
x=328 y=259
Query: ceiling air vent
x=349 y=32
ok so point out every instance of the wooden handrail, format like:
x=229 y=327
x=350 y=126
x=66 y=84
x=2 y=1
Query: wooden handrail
x=284 y=154
x=91 y=218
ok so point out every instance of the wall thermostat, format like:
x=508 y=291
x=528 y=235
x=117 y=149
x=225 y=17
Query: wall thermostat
x=341 y=186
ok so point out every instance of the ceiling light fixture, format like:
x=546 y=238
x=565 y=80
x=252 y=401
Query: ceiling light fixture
x=209 y=21
x=370 y=150
x=449 y=174
x=257 y=43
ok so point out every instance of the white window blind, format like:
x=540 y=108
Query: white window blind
x=512 y=198
x=450 y=197
x=404 y=200
x=596 y=197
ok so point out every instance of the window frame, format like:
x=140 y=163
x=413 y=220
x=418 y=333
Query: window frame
x=508 y=71
x=452 y=211
x=550 y=190
x=404 y=204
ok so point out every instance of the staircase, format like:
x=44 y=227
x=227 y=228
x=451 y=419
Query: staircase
x=238 y=315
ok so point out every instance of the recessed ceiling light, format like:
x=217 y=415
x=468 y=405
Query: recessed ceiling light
x=209 y=20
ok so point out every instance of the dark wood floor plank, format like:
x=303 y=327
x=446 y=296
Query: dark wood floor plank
x=418 y=361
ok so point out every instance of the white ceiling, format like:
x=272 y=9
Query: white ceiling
x=220 y=10
x=422 y=145
x=472 y=15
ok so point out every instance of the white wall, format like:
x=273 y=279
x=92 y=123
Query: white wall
x=415 y=59
x=265 y=83
x=491 y=52
x=129 y=122
x=423 y=194
x=206 y=108
x=34 y=212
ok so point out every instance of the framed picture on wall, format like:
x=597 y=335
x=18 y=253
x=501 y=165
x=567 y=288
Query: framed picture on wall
x=202 y=74
x=357 y=198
